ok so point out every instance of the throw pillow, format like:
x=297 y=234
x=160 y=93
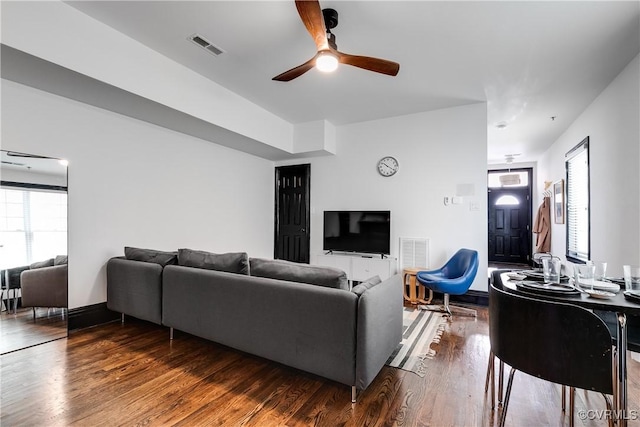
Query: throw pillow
x=61 y=259
x=41 y=264
x=150 y=255
x=361 y=287
x=301 y=273
x=232 y=262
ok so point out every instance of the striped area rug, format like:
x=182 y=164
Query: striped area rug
x=421 y=328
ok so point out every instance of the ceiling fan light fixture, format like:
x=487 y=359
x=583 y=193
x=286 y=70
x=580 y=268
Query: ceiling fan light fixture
x=319 y=23
x=326 y=62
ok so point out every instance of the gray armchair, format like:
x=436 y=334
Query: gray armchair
x=44 y=287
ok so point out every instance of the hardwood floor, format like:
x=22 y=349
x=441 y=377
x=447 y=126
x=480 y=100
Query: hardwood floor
x=132 y=374
x=20 y=330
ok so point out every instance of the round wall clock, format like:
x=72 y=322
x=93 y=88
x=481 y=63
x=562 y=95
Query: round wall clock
x=387 y=166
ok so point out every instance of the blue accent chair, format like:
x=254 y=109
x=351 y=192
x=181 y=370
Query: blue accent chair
x=454 y=278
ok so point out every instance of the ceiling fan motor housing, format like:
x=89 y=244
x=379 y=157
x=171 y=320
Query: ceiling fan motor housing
x=330 y=18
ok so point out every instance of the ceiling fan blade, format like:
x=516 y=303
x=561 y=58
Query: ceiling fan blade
x=372 y=64
x=296 y=71
x=311 y=15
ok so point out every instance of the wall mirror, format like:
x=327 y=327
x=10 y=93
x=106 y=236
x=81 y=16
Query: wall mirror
x=33 y=250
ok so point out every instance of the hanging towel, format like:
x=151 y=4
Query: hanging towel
x=542 y=226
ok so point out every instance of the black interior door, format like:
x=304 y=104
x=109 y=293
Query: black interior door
x=292 y=213
x=509 y=226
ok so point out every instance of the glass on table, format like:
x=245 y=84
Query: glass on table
x=601 y=271
x=551 y=270
x=631 y=277
x=584 y=275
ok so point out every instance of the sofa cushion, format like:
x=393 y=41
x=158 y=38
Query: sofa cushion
x=150 y=255
x=232 y=262
x=361 y=287
x=41 y=264
x=303 y=273
x=61 y=259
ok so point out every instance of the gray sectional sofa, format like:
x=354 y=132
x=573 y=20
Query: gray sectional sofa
x=302 y=316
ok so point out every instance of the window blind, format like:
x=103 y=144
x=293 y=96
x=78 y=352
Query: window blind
x=578 y=215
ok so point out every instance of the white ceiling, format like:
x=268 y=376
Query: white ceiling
x=528 y=61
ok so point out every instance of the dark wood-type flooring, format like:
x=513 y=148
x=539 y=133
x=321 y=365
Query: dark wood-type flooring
x=131 y=374
x=20 y=330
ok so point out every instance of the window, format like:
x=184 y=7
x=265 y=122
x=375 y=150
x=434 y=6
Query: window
x=507 y=200
x=502 y=179
x=578 y=212
x=33 y=225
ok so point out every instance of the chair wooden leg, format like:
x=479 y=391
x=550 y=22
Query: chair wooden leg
x=564 y=397
x=503 y=414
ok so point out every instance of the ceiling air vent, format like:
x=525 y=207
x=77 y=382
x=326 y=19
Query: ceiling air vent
x=205 y=44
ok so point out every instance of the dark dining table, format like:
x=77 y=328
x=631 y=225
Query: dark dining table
x=618 y=304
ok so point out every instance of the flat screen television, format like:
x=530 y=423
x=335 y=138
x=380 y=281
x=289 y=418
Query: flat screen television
x=357 y=231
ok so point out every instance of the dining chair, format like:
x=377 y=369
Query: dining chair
x=494 y=279
x=633 y=328
x=490 y=376
x=453 y=278
x=10 y=279
x=558 y=342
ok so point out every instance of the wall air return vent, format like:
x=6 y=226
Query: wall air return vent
x=414 y=252
x=205 y=44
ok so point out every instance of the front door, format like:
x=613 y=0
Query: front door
x=509 y=225
x=292 y=213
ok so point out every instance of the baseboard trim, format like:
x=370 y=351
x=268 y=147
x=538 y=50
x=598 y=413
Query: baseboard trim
x=472 y=297
x=90 y=315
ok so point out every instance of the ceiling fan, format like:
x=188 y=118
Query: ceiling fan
x=319 y=23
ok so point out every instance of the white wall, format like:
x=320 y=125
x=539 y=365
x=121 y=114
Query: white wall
x=437 y=151
x=612 y=124
x=136 y=184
